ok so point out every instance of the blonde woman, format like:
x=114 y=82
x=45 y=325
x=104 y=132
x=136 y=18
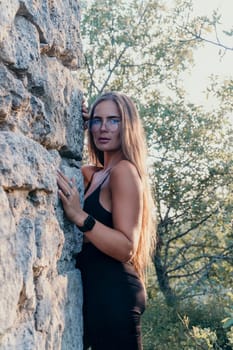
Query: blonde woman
x=116 y=222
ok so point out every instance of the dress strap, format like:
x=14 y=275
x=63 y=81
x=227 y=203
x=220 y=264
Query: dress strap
x=99 y=186
x=89 y=183
x=105 y=178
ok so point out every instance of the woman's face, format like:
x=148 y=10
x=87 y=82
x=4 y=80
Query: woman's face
x=105 y=126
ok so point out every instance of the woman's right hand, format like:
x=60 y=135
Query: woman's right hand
x=69 y=196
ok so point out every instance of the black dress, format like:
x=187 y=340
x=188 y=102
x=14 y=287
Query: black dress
x=114 y=297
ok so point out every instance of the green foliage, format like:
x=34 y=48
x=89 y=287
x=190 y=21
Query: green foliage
x=191 y=326
x=131 y=46
x=199 y=28
x=192 y=179
x=228 y=321
x=223 y=91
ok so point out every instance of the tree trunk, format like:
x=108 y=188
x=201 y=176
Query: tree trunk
x=163 y=280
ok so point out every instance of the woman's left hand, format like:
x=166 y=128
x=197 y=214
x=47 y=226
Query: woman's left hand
x=85 y=113
x=69 y=196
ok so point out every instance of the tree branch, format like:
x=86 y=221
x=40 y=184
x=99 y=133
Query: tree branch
x=190 y=229
x=91 y=74
x=112 y=69
x=201 y=38
x=212 y=259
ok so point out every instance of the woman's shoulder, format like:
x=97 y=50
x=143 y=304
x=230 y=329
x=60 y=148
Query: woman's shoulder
x=124 y=170
x=124 y=165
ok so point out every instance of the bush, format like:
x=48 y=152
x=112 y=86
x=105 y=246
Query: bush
x=193 y=325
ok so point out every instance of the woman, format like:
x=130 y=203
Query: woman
x=116 y=221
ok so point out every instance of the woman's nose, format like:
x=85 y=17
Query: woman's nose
x=103 y=125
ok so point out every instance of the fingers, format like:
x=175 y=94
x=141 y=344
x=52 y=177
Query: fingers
x=83 y=102
x=84 y=107
x=65 y=185
x=85 y=111
x=65 y=178
x=72 y=182
x=62 y=196
x=85 y=116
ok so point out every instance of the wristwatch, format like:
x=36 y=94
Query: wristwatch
x=88 y=224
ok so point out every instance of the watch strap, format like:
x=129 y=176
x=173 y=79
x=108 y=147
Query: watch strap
x=88 y=224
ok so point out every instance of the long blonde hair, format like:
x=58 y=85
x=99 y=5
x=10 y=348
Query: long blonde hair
x=133 y=145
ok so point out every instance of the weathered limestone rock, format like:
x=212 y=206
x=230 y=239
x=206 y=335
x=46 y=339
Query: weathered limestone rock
x=40 y=131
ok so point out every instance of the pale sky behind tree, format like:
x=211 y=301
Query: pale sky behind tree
x=208 y=59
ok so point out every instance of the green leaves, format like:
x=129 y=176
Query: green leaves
x=227 y=322
x=127 y=39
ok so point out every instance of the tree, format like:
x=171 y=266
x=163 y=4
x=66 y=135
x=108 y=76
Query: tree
x=200 y=28
x=138 y=47
x=131 y=46
x=192 y=174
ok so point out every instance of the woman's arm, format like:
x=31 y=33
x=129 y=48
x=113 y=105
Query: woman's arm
x=126 y=191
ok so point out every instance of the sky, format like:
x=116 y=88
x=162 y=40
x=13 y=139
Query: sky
x=207 y=59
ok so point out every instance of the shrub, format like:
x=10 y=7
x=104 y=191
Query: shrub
x=192 y=325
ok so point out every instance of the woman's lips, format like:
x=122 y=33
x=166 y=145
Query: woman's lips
x=103 y=139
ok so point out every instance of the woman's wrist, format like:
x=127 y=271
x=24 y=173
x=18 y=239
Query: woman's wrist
x=80 y=218
x=88 y=224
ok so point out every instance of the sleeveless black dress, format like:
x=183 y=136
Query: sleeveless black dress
x=114 y=297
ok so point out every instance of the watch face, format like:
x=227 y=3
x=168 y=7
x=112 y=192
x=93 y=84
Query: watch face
x=88 y=224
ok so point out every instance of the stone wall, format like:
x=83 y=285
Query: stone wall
x=40 y=130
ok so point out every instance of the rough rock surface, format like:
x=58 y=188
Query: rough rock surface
x=40 y=131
